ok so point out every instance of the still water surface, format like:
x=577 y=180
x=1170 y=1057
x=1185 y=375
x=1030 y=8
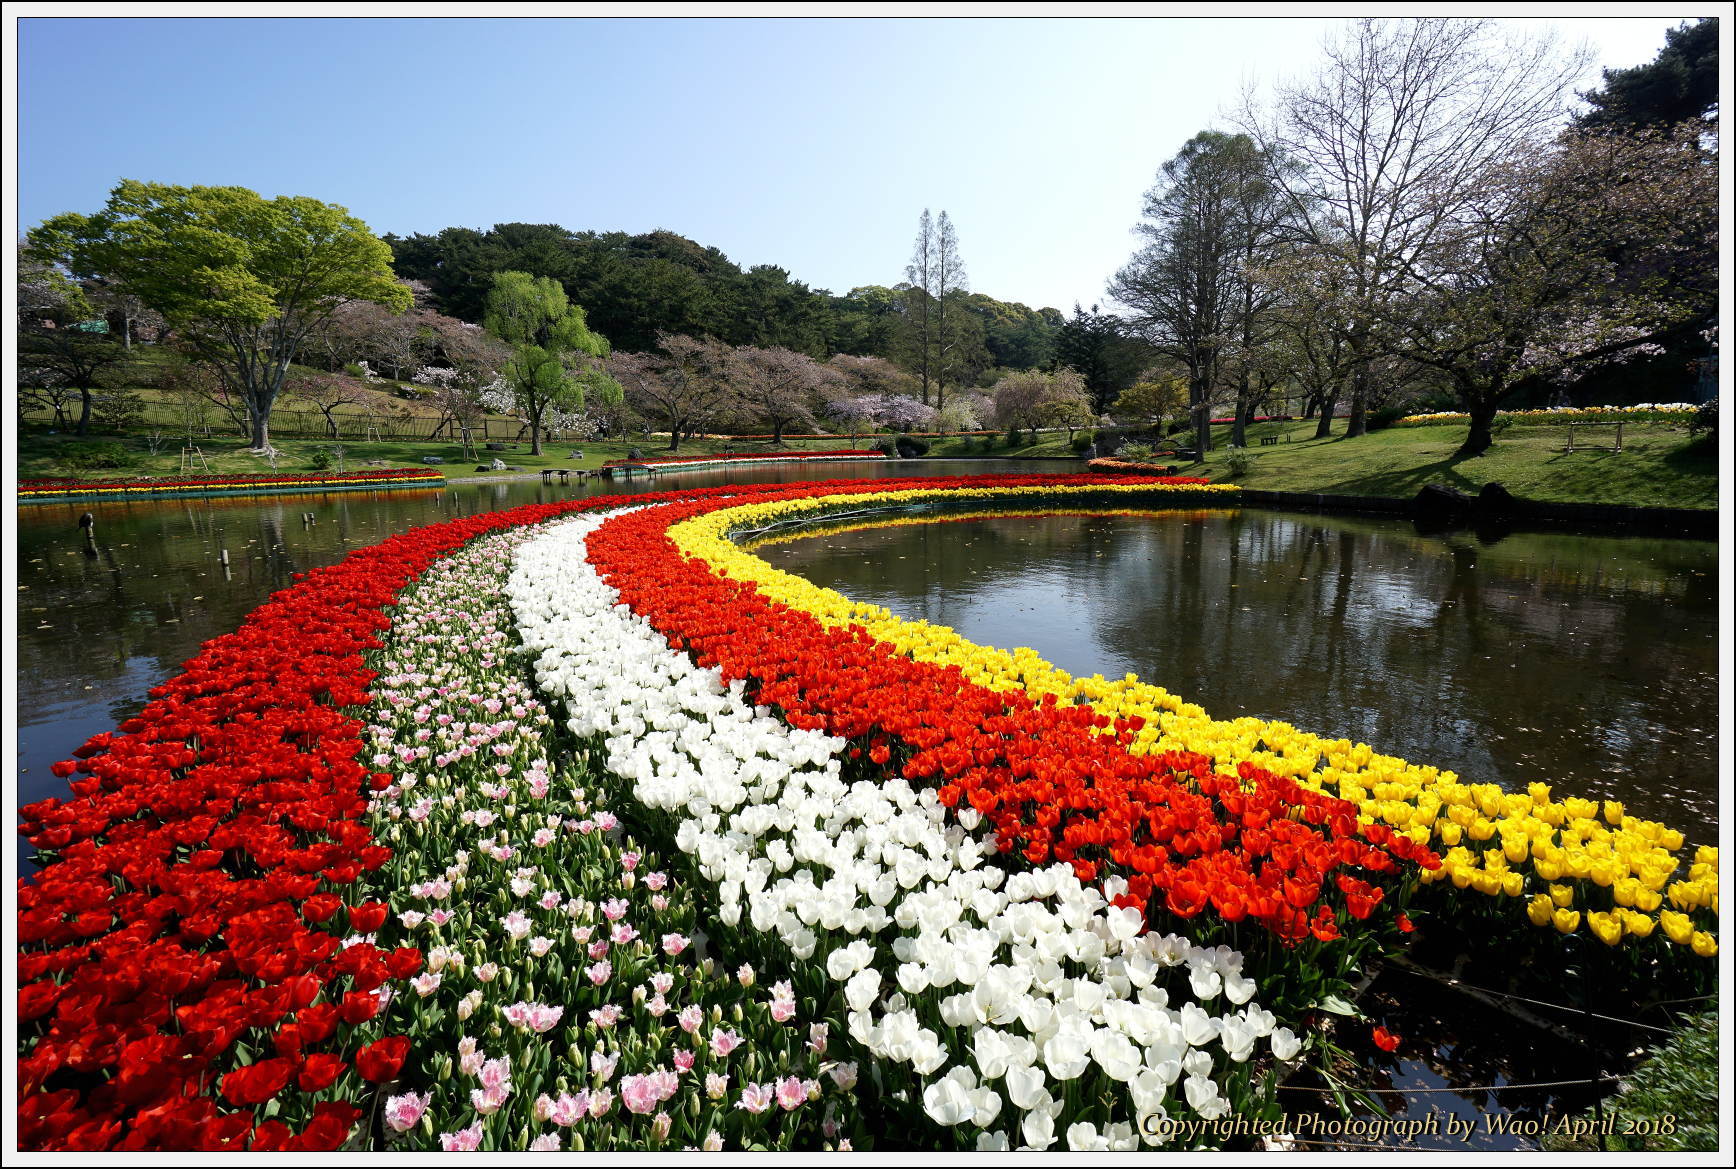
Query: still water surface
x=1588 y=662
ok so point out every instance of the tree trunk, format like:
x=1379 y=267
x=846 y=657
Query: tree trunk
x=536 y=414
x=1202 y=412
x=1358 y=422
x=1328 y=407
x=84 y=406
x=1482 y=435
x=674 y=437
x=1239 y=428
x=259 y=428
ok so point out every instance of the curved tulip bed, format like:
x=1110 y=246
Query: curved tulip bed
x=44 y=489
x=690 y=462
x=578 y=826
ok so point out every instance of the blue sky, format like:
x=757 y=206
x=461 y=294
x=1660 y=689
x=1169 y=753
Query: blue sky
x=812 y=144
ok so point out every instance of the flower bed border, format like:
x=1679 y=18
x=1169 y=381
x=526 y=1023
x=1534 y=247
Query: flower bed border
x=40 y=490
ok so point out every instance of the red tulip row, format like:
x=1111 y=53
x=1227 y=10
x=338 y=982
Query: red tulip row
x=55 y=488
x=746 y=456
x=1052 y=785
x=180 y=952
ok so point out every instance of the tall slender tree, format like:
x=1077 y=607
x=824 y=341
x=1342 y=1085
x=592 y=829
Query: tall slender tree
x=918 y=304
x=952 y=326
x=1193 y=288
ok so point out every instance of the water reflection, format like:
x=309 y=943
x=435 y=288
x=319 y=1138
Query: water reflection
x=95 y=633
x=1587 y=662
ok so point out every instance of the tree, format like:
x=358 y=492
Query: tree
x=1032 y=398
x=1679 y=85
x=550 y=343
x=1156 y=398
x=1099 y=346
x=1193 y=288
x=1389 y=141
x=326 y=393
x=781 y=388
x=61 y=349
x=243 y=279
x=1573 y=255
x=692 y=382
x=957 y=334
x=870 y=375
x=917 y=340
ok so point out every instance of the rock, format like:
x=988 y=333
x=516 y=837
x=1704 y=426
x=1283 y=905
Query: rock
x=1495 y=499
x=482 y=468
x=497 y=465
x=1442 y=505
x=431 y=459
x=494 y=446
x=576 y=455
x=635 y=453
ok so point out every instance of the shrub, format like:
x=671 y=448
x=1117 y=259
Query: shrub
x=92 y=456
x=1386 y=416
x=1705 y=420
x=1083 y=440
x=117 y=411
x=1238 y=462
x=1134 y=452
x=887 y=447
x=1015 y=437
x=911 y=447
x=322 y=459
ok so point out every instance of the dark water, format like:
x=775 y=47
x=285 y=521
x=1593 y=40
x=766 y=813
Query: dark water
x=1588 y=662
x=96 y=633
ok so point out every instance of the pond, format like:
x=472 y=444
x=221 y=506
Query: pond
x=96 y=633
x=1588 y=662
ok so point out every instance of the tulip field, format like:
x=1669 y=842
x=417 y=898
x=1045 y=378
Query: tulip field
x=579 y=826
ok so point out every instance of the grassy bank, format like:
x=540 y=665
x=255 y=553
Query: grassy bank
x=1659 y=466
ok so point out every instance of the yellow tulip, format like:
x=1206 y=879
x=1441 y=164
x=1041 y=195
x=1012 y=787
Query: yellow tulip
x=1606 y=926
x=1540 y=910
x=1705 y=945
x=1513 y=884
x=1638 y=924
x=1678 y=927
x=1566 y=920
x=1562 y=895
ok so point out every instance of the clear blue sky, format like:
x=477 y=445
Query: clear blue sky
x=812 y=144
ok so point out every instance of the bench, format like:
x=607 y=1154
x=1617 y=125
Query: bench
x=1269 y=440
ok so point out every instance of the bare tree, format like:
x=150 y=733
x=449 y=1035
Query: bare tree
x=917 y=303
x=1391 y=139
x=686 y=386
x=326 y=393
x=1568 y=256
x=950 y=319
x=1194 y=288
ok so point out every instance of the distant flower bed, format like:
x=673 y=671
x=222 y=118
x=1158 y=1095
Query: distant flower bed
x=66 y=488
x=1112 y=466
x=1257 y=418
x=713 y=460
x=1644 y=412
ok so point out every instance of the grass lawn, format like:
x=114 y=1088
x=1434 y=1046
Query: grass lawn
x=1658 y=465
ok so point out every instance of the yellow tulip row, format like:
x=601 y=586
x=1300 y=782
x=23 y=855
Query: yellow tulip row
x=1500 y=843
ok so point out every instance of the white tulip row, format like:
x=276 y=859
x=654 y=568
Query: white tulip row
x=994 y=989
